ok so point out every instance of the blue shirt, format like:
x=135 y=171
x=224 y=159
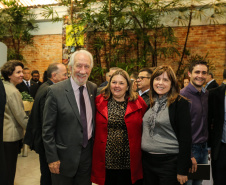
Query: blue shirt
x=199 y=112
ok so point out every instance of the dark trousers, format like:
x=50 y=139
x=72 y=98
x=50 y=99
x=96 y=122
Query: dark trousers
x=83 y=174
x=160 y=169
x=119 y=177
x=219 y=167
x=45 y=172
x=11 y=150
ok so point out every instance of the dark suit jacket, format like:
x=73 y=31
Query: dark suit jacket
x=33 y=88
x=39 y=83
x=216 y=118
x=146 y=98
x=2 y=110
x=33 y=136
x=62 y=128
x=212 y=85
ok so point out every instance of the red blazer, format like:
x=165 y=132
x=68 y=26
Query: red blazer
x=133 y=119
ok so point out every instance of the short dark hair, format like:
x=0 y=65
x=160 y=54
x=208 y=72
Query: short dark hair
x=197 y=62
x=26 y=68
x=134 y=75
x=34 y=72
x=211 y=74
x=52 y=68
x=149 y=71
x=8 y=68
x=224 y=74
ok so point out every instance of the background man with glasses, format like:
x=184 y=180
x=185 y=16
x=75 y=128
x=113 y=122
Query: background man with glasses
x=143 y=83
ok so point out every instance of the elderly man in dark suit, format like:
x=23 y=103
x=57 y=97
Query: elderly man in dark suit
x=2 y=110
x=28 y=85
x=217 y=132
x=68 y=124
x=211 y=83
x=56 y=72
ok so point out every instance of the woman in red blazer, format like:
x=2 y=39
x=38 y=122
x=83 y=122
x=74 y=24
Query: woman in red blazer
x=117 y=143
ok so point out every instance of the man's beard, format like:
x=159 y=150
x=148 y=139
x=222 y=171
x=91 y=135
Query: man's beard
x=78 y=82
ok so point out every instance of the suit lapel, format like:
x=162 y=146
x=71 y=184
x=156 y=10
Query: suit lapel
x=71 y=99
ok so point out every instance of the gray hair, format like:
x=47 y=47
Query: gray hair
x=72 y=59
x=52 y=68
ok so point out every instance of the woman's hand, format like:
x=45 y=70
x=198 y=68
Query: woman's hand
x=182 y=178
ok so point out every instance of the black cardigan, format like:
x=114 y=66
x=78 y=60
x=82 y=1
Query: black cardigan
x=179 y=113
x=180 y=119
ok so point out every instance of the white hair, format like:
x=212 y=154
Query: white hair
x=72 y=59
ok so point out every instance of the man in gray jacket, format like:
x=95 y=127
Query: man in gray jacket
x=68 y=124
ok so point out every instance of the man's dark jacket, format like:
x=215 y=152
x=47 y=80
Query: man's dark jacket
x=146 y=97
x=2 y=110
x=216 y=119
x=33 y=136
x=33 y=88
x=212 y=85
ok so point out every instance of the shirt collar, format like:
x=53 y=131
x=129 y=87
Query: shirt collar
x=141 y=93
x=75 y=86
x=209 y=82
x=26 y=81
x=194 y=90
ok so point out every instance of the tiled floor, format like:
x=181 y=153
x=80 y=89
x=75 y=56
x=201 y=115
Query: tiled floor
x=28 y=172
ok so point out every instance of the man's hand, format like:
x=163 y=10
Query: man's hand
x=182 y=178
x=54 y=167
x=194 y=165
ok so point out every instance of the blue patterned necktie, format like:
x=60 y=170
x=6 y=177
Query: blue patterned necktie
x=28 y=86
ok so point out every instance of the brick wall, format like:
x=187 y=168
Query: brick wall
x=46 y=49
x=202 y=39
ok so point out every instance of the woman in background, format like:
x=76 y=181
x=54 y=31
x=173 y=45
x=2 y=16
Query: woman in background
x=133 y=78
x=186 y=81
x=15 y=119
x=117 y=142
x=166 y=137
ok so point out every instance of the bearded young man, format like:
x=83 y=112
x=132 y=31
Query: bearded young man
x=198 y=98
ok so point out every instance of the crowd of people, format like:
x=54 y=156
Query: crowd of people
x=137 y=129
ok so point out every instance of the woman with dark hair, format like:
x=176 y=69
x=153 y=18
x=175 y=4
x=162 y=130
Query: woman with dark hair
x=117 y=142
x=186 y=81
x=166 y=137
x=15 y=119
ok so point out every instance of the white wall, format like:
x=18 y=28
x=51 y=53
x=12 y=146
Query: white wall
x=46 y=26
x=3 y=53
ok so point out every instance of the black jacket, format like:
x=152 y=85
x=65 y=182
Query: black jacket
x=33 y=136
x=216 y=119
x=179 y=113
x=146 y=98
x=2 y=110
x=212 y=85
x=33 y=88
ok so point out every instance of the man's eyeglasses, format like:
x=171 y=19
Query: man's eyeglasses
x=142 y=77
